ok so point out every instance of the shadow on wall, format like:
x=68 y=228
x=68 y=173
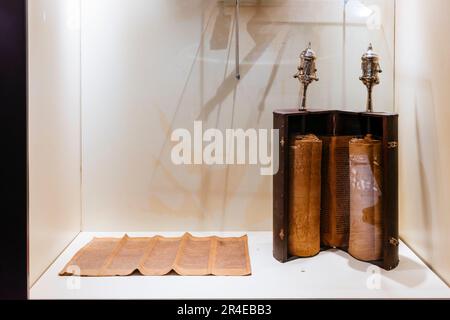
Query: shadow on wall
x=139 y=85
x=262 y=32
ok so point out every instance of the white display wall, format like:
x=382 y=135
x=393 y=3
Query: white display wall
x=54 y=113
x=422 y=100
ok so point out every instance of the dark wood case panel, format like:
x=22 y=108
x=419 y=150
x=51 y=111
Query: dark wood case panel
x=383 y=126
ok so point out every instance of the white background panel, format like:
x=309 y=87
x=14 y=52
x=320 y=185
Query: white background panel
x=422 y=99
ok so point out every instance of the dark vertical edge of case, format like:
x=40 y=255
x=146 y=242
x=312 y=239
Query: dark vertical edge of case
x=391 y=205
x=14 y=159
x=280 y=188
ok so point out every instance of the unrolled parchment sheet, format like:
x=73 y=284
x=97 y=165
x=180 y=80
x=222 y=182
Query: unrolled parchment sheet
x=157 y=256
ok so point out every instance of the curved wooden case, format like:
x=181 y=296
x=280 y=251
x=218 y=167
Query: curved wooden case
x=383 y=126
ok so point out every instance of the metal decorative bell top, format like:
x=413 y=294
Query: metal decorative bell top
x=307 y=72
x=370 y=68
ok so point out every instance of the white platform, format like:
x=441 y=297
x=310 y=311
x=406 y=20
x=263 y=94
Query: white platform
x=332 y=274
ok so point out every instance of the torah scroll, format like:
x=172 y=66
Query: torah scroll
x=304 y=195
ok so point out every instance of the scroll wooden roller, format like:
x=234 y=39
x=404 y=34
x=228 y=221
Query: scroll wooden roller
x=305 y=190
x=366 y=189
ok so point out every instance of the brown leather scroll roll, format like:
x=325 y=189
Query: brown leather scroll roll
x=366 y=187
x=335 y=215
x=304 y=195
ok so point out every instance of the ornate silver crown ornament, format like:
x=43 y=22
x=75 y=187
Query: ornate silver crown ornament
x=307 y=73
x=370 y=70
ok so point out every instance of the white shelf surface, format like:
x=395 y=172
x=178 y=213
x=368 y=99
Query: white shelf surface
x=331 y=274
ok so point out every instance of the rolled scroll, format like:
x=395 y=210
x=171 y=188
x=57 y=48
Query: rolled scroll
x=304 y=195
x=365 y=242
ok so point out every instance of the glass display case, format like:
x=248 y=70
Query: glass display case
x=112 y=82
